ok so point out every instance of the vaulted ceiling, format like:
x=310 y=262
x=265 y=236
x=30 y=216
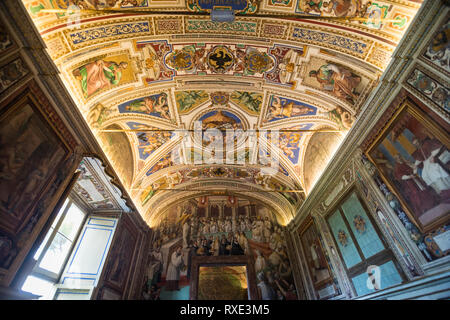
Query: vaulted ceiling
x=142 y=71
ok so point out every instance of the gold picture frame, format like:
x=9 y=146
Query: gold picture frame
x=412 y=156
x=318 y=266
x=35 y=149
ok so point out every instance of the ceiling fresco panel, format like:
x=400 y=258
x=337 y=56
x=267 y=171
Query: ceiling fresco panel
x=143 y=71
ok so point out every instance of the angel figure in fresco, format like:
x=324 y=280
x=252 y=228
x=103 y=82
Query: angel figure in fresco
x=341 y=116
x=286 y=146
x=149 y=105
x=151 y=141
x=339 y=80
x=164 y=163
x=280 y=108
x=98 y=75
x=97 y=115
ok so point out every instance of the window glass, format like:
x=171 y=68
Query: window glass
x=56 y=254
x=58 y=250
x=50 y=231
x=71 y=222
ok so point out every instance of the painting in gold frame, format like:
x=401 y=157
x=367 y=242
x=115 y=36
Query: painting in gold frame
x=31 y=151
x=222 y=283
x=412 y=156
x=318 y=267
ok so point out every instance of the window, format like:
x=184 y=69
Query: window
x=360 y=246
x=54 y=251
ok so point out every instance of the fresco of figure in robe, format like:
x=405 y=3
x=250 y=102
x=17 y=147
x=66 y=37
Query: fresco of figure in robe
x=98 y=75
x=339 y=80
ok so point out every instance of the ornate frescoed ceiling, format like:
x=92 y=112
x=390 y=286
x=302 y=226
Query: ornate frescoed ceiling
x=93 y=189
x=142 y=71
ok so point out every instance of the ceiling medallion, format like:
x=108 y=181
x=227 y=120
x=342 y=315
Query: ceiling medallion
x=220 y=59
x=220 y=97
x=181 y=60
x=258 y=62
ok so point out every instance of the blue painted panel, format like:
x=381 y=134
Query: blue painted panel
x=366 y=236
x=343 y=239
x=388 y=277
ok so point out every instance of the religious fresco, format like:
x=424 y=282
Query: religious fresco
x=164 y=162
x=116 y=270
x=154 y=105
x=169 y=180
x=281 y=108
x=219 y=228
x=121 y=71
x=433 y=89
x=248 y=101
x=240 y=155
x=290 y=141
x=317 y=261
x=91 y=190
x=413 y=157
x=220 y=120
x=374 y=12
x=97 y=115
x=189 y=100
x=341 y=117
x=30 y=153
x=335 y=79
x=149 y=139
x=211 y=58
x=438 y=50
x=102 y=73
x=254 y=175
x=334 y=8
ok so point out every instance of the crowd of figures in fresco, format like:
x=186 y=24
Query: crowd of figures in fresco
x=260 y=237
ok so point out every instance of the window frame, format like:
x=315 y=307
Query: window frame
x=45 y=274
